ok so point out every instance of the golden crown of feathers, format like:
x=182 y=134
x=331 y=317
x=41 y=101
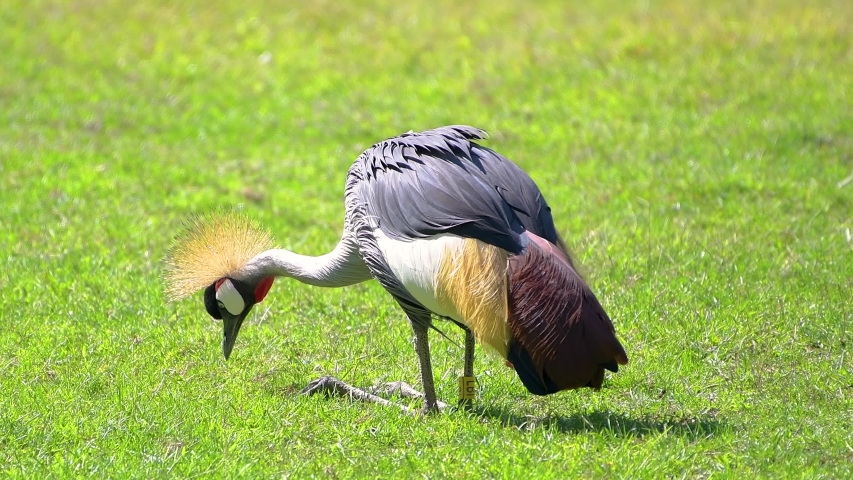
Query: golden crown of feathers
x=211 y=246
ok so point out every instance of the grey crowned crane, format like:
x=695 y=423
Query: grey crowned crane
x=452 y=230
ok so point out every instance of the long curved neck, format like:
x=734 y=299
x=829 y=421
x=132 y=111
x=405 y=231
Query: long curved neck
x=341 y=267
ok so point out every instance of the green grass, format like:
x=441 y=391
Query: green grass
x=699 y=159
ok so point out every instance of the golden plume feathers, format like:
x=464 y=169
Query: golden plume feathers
x=212 y=246
x=474 y=280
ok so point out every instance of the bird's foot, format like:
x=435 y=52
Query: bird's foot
x=403 y=389
x=331 y=386
x=327 y=385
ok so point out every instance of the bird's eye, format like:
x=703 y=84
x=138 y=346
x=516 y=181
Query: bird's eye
x=220 y=304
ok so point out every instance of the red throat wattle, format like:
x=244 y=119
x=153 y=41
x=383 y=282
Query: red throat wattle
x=263 y=288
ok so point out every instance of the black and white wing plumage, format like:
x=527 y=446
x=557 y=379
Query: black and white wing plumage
x=421 y=185
x=438 y=181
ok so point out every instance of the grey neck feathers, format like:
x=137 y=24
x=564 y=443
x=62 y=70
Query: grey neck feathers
x=341 y=267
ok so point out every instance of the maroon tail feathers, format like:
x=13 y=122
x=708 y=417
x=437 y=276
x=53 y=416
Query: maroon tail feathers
x=562 y=338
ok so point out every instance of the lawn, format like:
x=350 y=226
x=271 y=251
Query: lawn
x=698 y=157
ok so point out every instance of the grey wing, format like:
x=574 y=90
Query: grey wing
x=438 y=181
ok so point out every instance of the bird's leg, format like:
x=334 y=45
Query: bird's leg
x=422 y=349
x=468 y=367
x=332 y=386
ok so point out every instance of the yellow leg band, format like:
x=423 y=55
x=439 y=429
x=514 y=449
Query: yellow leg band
x=467 y=388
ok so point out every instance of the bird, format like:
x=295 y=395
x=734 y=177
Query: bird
x=453 y=231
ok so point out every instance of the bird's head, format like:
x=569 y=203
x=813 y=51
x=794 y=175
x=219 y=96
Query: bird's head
x=212 y=253
x=231 y=300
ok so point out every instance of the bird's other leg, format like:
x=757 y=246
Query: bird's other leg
x=421 y=329
x=468 y=367
x=333 y=387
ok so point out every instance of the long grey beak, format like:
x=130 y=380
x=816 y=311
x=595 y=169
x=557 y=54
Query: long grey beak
x=231 y=327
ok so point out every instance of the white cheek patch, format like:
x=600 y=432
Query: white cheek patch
x=230 y=297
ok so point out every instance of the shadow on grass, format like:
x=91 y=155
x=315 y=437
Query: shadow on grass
x=693 y=427
x=700 y=426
